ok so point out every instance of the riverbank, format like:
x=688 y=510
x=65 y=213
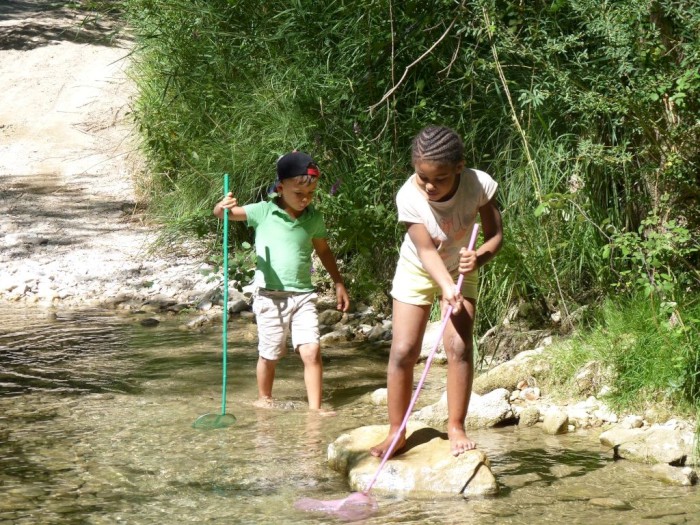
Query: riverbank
x=74 y=230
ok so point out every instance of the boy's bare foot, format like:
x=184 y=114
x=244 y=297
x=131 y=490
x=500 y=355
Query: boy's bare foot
x=324 y=412
x=459 y=442
x=264 y=402
x=378 y=451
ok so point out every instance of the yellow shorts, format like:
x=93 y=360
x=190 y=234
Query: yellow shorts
x=413 y=285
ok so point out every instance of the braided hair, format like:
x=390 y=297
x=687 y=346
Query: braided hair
x=438 y=144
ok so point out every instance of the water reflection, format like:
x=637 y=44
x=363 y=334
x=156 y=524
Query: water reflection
x=96 y=418
x=539 y=466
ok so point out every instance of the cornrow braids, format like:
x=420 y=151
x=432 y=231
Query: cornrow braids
x=438 y=144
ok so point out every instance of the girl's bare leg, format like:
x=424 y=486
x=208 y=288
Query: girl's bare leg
x=408 y=328
x=313 y=373
x=460 y=375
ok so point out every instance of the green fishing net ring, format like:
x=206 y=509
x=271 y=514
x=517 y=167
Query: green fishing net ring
x=208 y=421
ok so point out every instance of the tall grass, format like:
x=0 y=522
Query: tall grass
x=584 y=112
x=652 y=355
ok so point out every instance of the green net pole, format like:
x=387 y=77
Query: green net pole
x=225 y=318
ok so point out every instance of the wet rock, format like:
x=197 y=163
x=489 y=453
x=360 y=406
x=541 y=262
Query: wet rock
x=424 y=468
x=632 y=422
x=580 y=493
x=531 y=393
x=483 y=412
x=378 y=333
x=683 y=476
x=605 y=414
x=656 y=444
x=611 y=503
x=149 y=322
x=507 y=375
x=329 y=317
x=339 y=335
x=578 y=415
x=587 y=378
x=238 y=305
x=564 y=471
x=197 y=322
x=158 y=303
x=432 y=331
x=529 y=416
x=514 y=481
x=179 y=307
x=555 y=421
x=379 y=397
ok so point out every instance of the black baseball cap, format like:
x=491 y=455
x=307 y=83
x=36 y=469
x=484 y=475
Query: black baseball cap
x=296 y=163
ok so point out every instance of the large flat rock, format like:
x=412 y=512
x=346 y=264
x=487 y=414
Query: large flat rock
x=423 y=468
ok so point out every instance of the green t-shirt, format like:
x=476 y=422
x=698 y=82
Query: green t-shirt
x=283 y=245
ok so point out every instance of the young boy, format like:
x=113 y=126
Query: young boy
x=287 y=230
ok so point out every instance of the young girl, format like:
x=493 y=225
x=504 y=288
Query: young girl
x=439 y=204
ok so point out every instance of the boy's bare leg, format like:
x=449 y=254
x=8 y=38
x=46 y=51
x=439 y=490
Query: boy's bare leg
x=265 y=372
x=460 y=374
x=313 y=373
x=408 y=328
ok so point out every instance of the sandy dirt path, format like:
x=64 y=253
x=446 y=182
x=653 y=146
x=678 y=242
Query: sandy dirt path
x=71 y=228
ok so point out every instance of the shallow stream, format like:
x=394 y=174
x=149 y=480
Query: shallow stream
x=96 y=416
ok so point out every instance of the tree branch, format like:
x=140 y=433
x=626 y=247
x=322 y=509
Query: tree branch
x=412 y=64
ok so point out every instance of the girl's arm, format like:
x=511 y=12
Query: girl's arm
x=328 y=260
x=230 y=203
x=434 y=265
x=493 y=239
x=493 y=232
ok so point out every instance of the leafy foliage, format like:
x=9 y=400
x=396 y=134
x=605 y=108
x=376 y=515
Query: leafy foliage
x=585 y=112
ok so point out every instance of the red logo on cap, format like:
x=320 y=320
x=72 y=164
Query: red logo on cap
x=312 y=171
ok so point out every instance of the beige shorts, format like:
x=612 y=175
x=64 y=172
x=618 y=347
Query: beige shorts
x=414 y=285
x=278 y=313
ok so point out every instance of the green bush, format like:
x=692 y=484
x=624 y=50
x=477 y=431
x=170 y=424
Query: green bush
x=585 y=112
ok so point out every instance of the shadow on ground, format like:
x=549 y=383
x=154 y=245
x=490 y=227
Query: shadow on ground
x=37 y=204
x=29 y=24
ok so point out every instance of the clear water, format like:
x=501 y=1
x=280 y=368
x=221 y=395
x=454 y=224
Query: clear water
x=96 y=416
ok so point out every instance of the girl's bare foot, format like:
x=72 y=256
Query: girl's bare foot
x=378 y=451
x=264 y=402
x=459 y=442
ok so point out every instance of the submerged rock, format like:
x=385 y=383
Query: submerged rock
x=683 y=476
x=424 y=468
x=610 y=503
x=657 y=444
